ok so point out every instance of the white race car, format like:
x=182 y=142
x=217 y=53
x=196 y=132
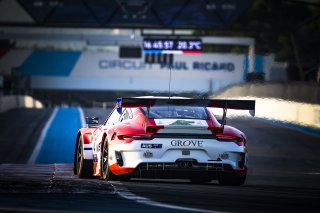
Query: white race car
x=157 y=137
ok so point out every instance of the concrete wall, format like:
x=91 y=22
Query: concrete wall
x=290 y=103
x=18 y=101
x=306 y=92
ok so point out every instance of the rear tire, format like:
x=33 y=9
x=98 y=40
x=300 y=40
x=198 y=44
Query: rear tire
x=232 y=179
x=105 y=169
x=83 y=167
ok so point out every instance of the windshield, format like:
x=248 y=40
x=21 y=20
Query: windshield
x=177 y=112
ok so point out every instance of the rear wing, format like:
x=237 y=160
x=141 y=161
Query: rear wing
x=216 y=103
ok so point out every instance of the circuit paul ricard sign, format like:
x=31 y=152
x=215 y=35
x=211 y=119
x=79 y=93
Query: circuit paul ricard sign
x=189 y=72
x=207 y=66
x=106 y=71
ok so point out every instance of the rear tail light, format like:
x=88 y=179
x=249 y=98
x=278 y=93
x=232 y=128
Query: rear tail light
x=230 y=138
x=150 y=131
x=135 y=137
x=154 y=129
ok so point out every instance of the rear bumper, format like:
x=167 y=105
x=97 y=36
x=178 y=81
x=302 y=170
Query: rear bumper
x=161 y=150
x=185 y=166
x=175 y=170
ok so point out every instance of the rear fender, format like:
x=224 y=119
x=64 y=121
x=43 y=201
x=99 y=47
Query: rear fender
x=125 y=130
x=86 y=135
x=229 y=130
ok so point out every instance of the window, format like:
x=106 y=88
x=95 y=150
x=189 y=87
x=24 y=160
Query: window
x=185 y=112
x=113 y=118
x=126 y=115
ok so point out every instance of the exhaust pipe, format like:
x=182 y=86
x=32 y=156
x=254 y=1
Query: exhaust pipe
x=182 y=164
x=189 y=164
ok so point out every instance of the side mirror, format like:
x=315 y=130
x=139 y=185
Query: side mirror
x=92 y=121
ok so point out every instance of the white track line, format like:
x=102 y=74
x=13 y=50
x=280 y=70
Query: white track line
x=35 y=210
x=36 y=150
x=125 y=193
x=312 y=173
x=83 y=123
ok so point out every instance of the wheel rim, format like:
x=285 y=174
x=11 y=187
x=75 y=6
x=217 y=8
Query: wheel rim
x=79 y=156
x=105 y=159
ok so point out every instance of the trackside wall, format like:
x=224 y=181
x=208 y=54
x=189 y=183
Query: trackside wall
x=293 y=91
x=296 y=104
x=18 y=101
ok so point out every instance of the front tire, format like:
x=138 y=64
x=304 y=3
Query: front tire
x=232 y=179
x=83 y=168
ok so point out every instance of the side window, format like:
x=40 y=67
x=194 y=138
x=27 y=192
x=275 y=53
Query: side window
x=126 y=115
x=113 y=118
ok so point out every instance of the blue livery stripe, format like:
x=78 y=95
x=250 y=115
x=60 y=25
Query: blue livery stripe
x=59 y=143
x=49 y=63
x=87 y=148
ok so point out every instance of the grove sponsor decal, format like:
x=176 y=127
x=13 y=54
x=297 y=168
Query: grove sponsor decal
x=187 y=143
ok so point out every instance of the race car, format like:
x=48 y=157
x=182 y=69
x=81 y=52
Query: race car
x=162 y=137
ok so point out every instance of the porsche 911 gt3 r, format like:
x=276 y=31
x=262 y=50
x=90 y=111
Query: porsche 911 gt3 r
x=156 y=137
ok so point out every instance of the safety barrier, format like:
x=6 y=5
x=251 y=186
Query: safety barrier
x=292 y=112
x=293 y=102
x=293 y=91
x=18 y=101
